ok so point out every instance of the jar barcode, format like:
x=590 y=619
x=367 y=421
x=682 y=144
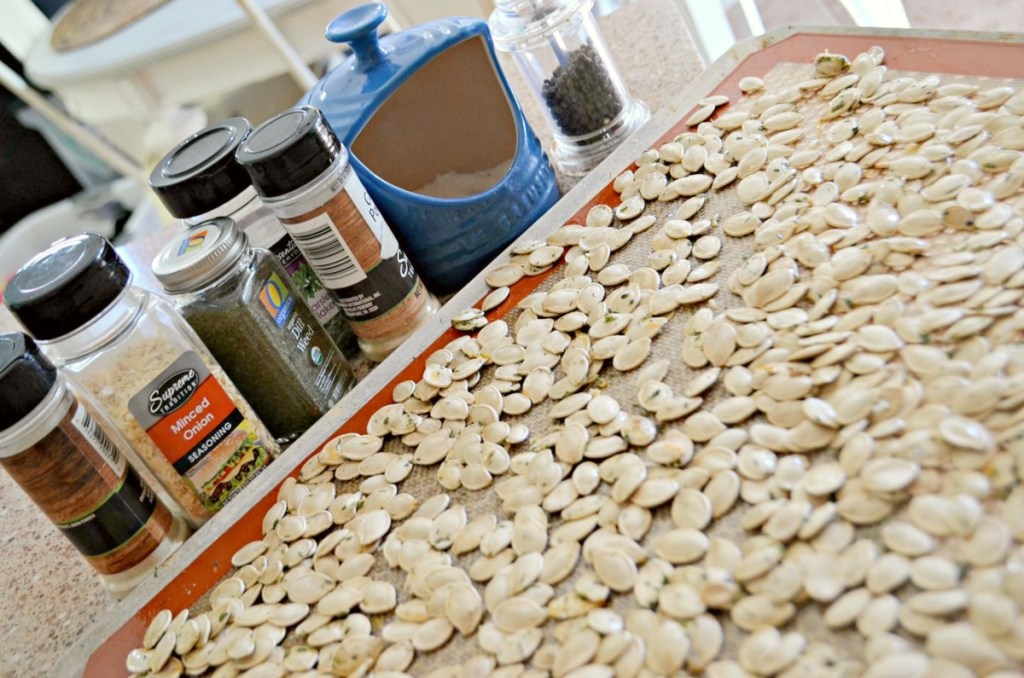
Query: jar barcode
x=91 y=430
x=328 y=255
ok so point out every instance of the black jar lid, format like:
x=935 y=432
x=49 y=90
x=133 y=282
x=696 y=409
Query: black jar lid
x=26 y=377
x=200 y=174
x=67 y=285
x=288 y=151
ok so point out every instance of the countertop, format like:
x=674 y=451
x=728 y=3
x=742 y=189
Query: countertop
x=51 y=596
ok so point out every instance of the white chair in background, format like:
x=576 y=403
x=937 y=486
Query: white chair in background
x=186 y=54
x=22 y=25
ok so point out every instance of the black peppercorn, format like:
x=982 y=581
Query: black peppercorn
x=580 y=94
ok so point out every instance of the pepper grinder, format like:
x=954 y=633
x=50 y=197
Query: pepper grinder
x=561 y=53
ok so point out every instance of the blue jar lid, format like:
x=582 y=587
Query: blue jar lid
x=350 y=94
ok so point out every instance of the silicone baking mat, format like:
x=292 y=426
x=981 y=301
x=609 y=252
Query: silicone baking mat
x=782 y=59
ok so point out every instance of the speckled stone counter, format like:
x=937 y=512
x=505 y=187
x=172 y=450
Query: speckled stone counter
x=50 y=596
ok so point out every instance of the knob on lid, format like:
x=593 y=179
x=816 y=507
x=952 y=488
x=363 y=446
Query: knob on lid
x=352 y=92
x=358 y=27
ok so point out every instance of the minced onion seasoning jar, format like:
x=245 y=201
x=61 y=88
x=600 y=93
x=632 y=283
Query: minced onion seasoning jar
x=199 y=180
x=240 y=302
x=136 y=358
x=301 y=171
x=54 y=449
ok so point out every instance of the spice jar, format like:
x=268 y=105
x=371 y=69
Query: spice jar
x=199 y=180
x=52 y=446
x=561 y=53
x=301 y=171
x=240 y=302
x=136 y=358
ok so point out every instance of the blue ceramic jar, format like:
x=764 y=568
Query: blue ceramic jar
x=438 y=139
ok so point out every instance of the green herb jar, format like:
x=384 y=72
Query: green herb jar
x=243 y=306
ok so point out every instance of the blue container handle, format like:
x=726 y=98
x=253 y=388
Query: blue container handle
x=358 y=27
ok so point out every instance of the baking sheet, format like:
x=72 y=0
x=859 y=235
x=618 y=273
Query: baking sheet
x=209 y=552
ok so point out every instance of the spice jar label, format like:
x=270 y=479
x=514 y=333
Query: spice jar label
x=88 y=427
x=360 y=197
x=191 y=419
x=264 y=230
x=394 y=280
x=366 y=295
x=112 y=518
x=305 y=280
x=315 y=356
x=276 y=298
x=114 y=522
x=328 y=252
x=120 y=515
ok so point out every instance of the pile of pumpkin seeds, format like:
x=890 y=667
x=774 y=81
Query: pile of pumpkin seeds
x=852 y=406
